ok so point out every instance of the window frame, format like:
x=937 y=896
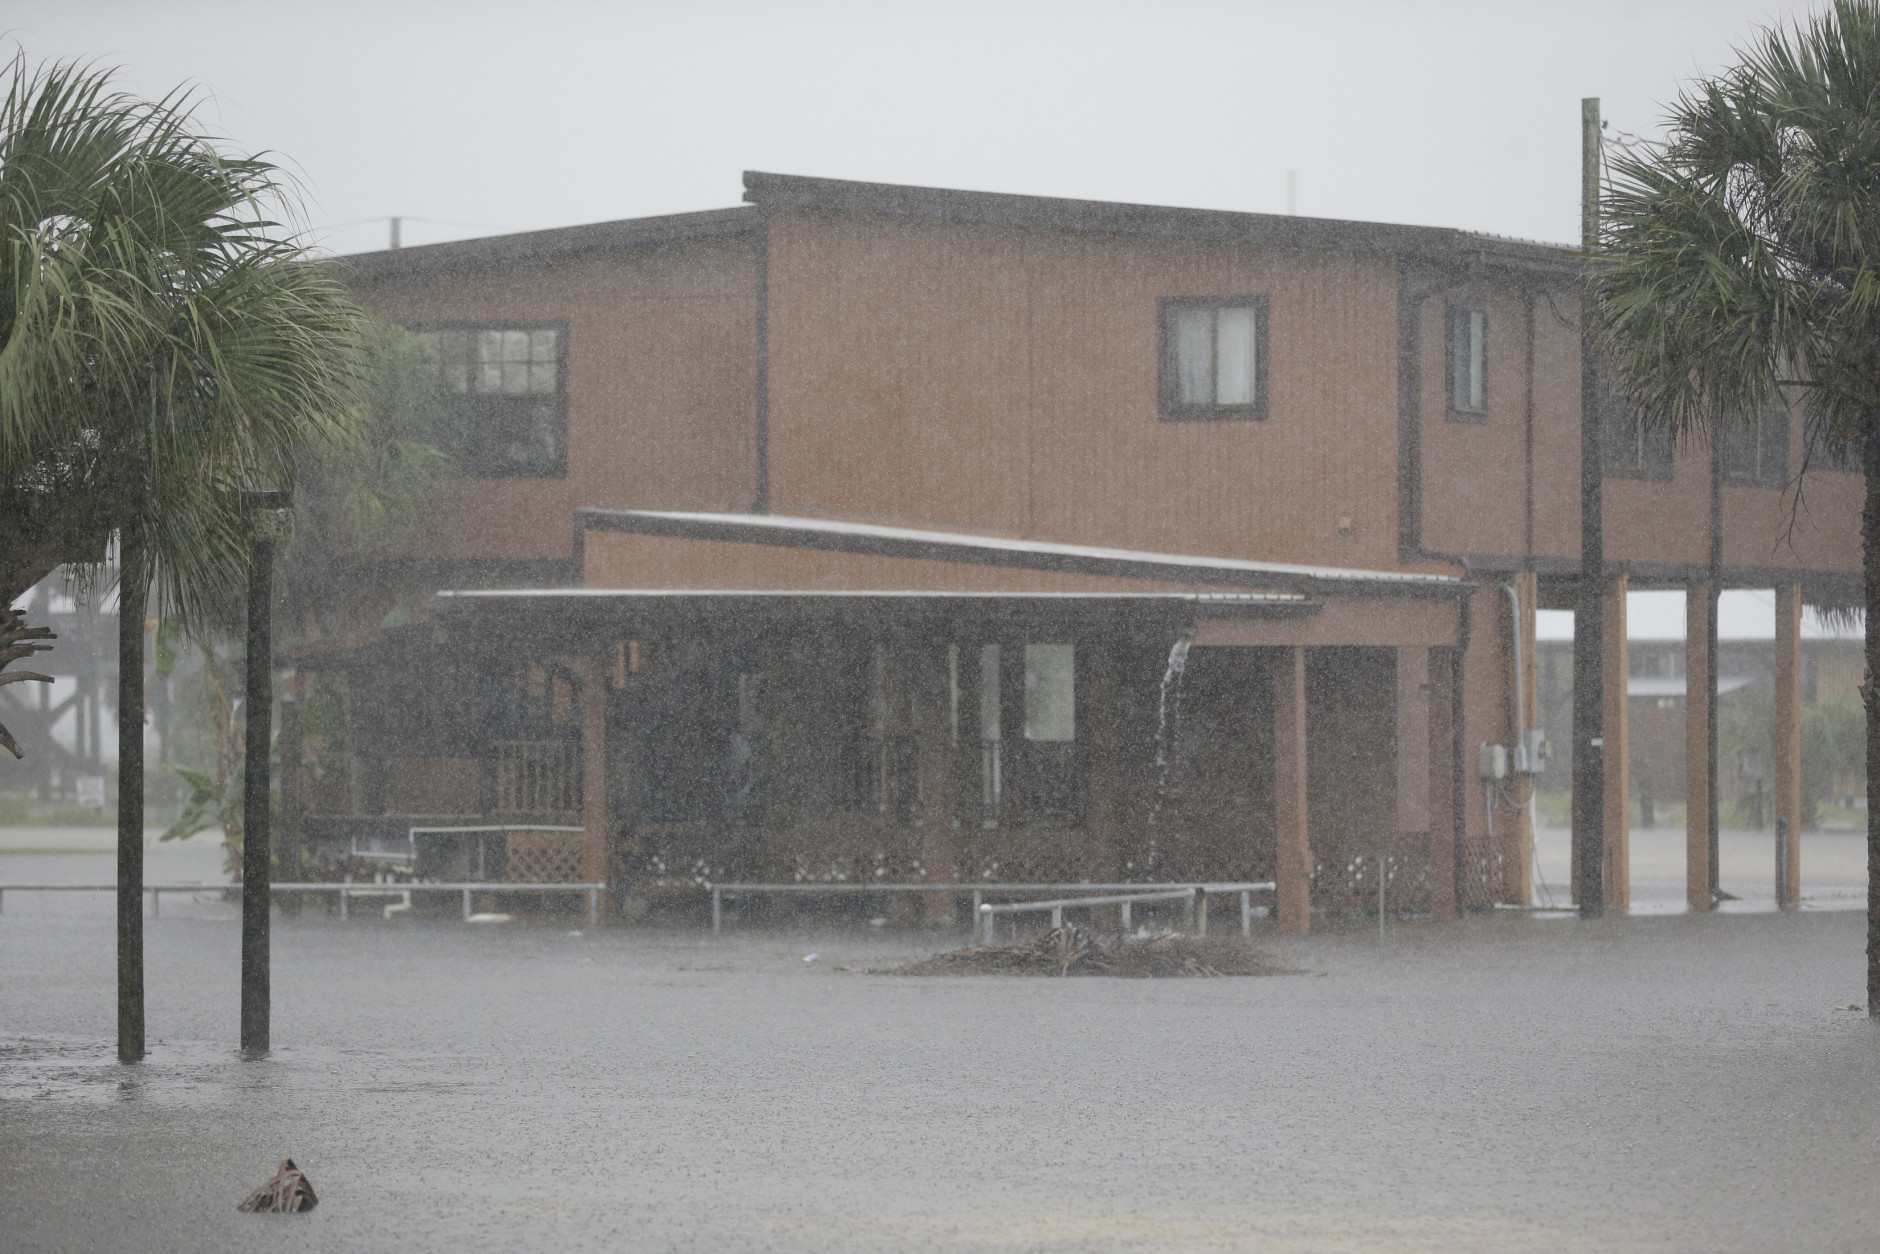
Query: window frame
x=467 y=408
x=1454 y=314
x=1761 y=475
x=1656 y=464
x=1169 y=405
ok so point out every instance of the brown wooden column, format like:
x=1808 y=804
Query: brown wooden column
x=1616 y=730
x=1788 y=730
x=593 y=677
x=1103 y=771
x=1294 y=877
x=1699 y=892
x=937 y=733
x=1444 y=838
x=1413 y=740
x=1514 y=825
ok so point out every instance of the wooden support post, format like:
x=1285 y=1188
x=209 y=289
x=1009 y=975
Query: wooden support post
x=1103 y=757
x=936 y=733
x=1519 y=847
x=1413 y=740
x=1413 y=758
x=1615 y=670
x=1444 y=835
x=1788 y=734
x=1294 y=878
x=1699 y=890
x=592 y=672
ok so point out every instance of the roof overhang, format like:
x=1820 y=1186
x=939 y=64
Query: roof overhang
x=557 y=244
x=579 y=614
x=1442 y=245
x=836 y=536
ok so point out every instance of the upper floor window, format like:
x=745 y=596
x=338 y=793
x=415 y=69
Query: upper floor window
x=1756 y=450
x=1214 y=357
x=1825 y=452
x=506 y=383
x=1468 y=357
x=1630 y=447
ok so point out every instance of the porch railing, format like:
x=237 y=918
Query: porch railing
x=538 y=776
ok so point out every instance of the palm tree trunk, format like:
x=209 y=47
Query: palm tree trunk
x=133 y=584
x=1870 y=698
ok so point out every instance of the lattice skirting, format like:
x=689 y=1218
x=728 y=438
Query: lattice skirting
x=544 y=858
x=1485 y=870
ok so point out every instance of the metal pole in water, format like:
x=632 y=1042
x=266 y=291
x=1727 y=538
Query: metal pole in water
x=1782 y=864
x=257 y=846
x=718 y=911
x=1380 y=899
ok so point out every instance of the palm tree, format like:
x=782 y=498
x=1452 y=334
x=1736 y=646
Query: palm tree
x=1739 y=264
x=167 y=350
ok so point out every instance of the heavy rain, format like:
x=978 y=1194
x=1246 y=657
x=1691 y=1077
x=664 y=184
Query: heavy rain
x=951 y=627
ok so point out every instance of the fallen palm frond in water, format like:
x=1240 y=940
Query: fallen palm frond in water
x=1073 y=951
x=286 y=1193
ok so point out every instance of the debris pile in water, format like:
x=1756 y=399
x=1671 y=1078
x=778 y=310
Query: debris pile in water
x=1070 y=950
x=288 y=1192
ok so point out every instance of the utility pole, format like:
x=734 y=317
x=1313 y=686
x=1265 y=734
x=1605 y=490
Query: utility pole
x=1589 y=618
x=269 y=518
x=396 y=223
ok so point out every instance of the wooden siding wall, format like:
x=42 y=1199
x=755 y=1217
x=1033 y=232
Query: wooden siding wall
x=1003 y=380
x=662 y=378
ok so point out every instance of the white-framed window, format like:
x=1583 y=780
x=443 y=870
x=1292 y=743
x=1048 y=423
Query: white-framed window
x=1213 y=357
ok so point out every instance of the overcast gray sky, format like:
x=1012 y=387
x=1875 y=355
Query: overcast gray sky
x=488 y=117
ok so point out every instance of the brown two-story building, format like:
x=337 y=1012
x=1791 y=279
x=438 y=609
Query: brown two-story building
x=875 y=533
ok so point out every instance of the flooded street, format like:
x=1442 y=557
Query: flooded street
x=1653 y=1083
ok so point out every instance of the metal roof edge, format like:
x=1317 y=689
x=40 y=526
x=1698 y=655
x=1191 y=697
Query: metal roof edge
x=527 y=246
x=1117 y=217
x=966 y=547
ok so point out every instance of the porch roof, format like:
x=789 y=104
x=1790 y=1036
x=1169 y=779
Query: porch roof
x=833 y=535
x=577 y=611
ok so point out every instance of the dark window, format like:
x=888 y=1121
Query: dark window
x=1828 y=453
x=1468 y=363
x=1629 y=447
x=1214 y=357
x=505 y=384
x=1756 y=450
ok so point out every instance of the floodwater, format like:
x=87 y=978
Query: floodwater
x=1500 y=1084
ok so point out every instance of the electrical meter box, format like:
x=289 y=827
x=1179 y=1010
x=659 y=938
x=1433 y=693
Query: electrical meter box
x=1493 y=762
x=1530 y=756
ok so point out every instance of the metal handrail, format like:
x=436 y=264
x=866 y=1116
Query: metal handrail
x=1196 y=899
x=1135 y=892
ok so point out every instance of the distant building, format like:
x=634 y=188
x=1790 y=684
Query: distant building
x=1832 y=665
